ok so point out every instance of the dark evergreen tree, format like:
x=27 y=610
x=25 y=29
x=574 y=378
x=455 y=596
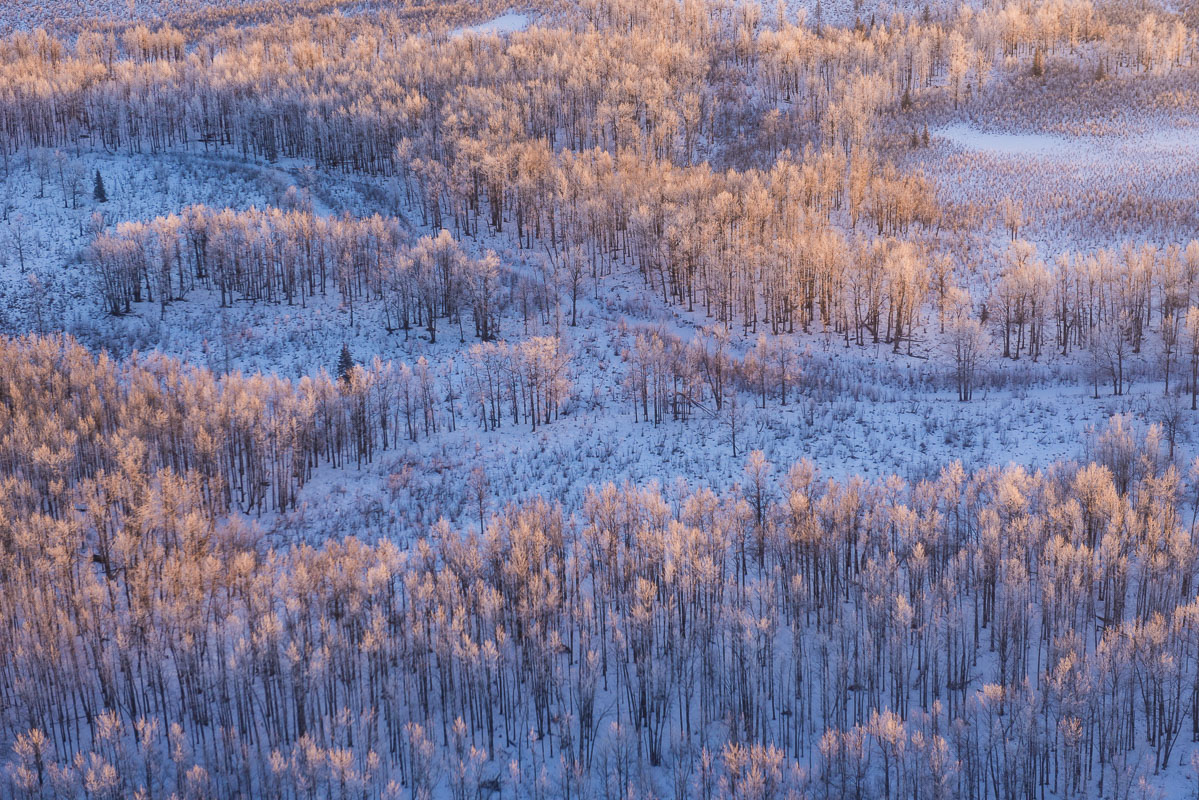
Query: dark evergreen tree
x=99 y=193
x=345 y=363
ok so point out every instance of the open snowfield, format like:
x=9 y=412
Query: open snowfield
x=1178 y=143
x=1089 y=190
x=505 y=23
x=601 y=400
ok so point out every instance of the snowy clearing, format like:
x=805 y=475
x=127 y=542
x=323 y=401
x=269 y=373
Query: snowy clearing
x=1178 y=143
x=504 y=24
x=1015 y=144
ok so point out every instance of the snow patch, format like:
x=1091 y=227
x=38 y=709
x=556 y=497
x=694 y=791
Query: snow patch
x=1013 y=144
x=512 y=22
x=1175 y=139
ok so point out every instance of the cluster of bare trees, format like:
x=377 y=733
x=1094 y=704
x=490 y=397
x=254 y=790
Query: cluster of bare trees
x=755 y=246
x=269 y=256
x=290 y=257
x=1110 y=304
x=667 y=377
x=250 y=442
x=1105 y=303
x=526 y=382
x=649 y=84
x=988 y=635
x=1136 y=287
x=128 y=22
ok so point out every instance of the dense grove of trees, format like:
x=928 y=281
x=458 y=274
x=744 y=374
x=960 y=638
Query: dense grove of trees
x=250 y=442
x=278 y=256
x=729 y=155
x=129 y=20
x=1106 y=303
x=999 y=634
x=268 y=256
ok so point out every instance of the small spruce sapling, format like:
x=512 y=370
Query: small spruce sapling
x=99 y=193
x=345 y=364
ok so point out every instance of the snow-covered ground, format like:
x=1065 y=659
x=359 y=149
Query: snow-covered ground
x=1075 y=191
x=1179 y=143
x=501 y=25
x=889 y=413
x=1011 y=144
